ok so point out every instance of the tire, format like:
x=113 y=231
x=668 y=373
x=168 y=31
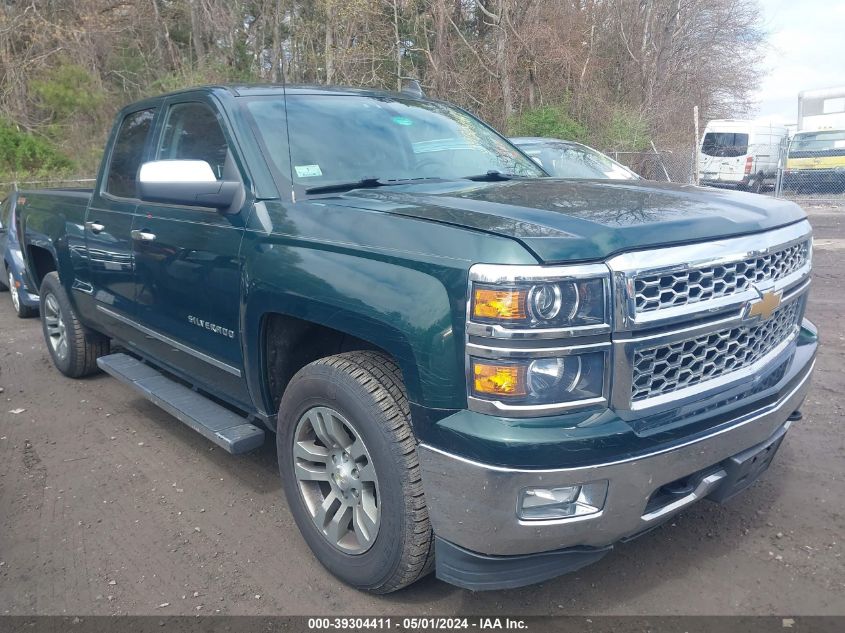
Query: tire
x=364 y=393
x=82 y=346
x=23 y=312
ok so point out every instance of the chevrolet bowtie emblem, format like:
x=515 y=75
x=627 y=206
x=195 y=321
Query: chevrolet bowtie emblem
x=765 y=306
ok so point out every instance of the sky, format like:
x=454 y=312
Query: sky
x=806 y=51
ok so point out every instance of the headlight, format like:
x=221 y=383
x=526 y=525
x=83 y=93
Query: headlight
x=539 y=381
x=523 y=354
x=542 y=303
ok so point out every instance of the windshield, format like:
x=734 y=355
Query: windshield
x=564 y=160
x=338 y=139
x=818 y=144
x=725 y=144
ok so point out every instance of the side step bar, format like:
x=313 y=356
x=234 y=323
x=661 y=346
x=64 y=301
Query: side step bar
x=226 y=429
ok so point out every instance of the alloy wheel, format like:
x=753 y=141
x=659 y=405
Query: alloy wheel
x=13 y=291
x=337 y=480
x=56 y=331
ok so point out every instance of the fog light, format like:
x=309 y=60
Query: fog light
x=563 y=502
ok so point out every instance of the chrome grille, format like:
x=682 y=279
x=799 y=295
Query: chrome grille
x=665 y=368
x=658 y=291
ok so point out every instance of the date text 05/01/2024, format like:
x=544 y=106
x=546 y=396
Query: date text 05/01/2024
x=417 y=624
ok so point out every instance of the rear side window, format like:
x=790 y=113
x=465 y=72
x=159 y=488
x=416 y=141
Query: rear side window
x=725 y=144
x=192 y=132
x=128 y=153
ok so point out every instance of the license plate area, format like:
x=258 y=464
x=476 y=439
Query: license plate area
x=744 y=468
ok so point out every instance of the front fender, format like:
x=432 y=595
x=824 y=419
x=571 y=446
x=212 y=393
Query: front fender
x=409 y=312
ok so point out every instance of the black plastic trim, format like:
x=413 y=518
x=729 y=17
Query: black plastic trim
x=481 y=572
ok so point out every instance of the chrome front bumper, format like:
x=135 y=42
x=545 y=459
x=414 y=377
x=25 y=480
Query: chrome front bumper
x=473 y=505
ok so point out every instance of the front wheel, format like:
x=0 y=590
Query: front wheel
x=348 y=461
x=73 y=347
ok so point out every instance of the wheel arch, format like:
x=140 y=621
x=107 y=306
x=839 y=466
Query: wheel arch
x=41 y=261
x=287 y=344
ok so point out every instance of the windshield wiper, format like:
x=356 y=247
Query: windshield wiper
x=492 y=175
x=364 y=183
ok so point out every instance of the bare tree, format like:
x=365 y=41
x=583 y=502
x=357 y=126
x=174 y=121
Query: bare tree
x=593 y=60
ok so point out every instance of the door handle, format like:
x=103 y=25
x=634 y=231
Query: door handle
x=142 y=236
x=95 y=227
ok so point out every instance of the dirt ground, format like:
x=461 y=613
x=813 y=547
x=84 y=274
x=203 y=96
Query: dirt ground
x=110 y=506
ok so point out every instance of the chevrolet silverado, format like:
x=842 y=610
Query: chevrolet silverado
x=468 y=366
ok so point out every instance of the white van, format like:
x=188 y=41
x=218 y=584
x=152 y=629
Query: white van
x=739 y=153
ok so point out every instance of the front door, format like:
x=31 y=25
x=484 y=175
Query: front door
x=187 y=261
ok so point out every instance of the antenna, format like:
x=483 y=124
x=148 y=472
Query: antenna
x=287 y=124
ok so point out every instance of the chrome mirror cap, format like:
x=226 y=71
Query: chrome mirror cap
x=176 y=171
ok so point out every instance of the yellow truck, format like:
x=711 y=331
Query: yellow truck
x=816 y=162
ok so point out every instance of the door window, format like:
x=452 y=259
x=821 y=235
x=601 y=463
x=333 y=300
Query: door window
x=128 y=153
x=192 y=132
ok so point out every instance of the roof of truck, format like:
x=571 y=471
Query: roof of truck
x=267 y=90
x=254 y=90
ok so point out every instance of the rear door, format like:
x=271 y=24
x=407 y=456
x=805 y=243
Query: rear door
x=723 y=156
x=763 y=150
x=187 y=259
x=108 y=226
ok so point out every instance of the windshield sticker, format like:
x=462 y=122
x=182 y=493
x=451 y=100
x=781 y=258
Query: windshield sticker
x=402 y=120
x=308 y=171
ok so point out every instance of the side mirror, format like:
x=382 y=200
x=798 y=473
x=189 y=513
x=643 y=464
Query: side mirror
x=188 y=182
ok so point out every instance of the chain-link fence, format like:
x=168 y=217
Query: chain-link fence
x=808 y=168
x=663 y=165
x=811 y=167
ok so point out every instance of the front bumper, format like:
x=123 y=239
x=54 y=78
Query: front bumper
x=822 y=178
x=473 y=505
x=25 y=294
x=728 y=181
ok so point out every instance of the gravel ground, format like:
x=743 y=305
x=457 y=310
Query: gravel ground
x=110 y=506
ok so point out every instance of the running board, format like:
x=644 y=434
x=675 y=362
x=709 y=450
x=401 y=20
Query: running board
x=223 y=427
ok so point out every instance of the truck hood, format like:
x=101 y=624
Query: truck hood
x=578 y=220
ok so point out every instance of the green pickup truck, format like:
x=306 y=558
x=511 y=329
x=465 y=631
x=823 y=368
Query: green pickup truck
x=469 y=367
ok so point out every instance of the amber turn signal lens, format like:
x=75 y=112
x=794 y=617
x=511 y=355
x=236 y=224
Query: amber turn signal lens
x=499 y=380
x=499 y=304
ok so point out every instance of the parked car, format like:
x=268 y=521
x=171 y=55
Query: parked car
x=816 y=162
x=739 y=153
x=13 y=276
x=469 y=367
x=567 y=159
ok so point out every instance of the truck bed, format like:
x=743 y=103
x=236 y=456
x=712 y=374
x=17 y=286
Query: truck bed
x=50 y=222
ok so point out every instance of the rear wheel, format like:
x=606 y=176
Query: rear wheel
x=24 y=312
x=73 y=347
x=348 y=461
